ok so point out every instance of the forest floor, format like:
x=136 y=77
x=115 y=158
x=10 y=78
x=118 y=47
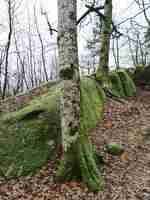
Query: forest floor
x=127 y=177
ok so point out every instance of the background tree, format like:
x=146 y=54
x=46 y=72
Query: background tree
x=103 y=68
x=11 y=12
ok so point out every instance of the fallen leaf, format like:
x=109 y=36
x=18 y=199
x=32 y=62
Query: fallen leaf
x=124 y=157
x=108 y=124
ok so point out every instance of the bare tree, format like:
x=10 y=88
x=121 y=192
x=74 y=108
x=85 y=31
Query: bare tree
x=115 y=51
x=42 y=45
x=10 y=18
x=21 y=60
x=105 y=35
x=137 y=48
x=2 y=59
x=12 y=7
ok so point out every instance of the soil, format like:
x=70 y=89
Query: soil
x=127 y=177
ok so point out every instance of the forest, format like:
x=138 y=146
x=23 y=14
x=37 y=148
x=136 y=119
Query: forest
x=74 y=100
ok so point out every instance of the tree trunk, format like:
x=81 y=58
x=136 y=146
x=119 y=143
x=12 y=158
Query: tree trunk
x=77 y=159
x=7 y=50
x=103 y=69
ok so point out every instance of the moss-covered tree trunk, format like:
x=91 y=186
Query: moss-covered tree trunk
x=103 y=69
x=77 y=159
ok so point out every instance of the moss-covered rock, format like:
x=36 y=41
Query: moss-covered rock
x=102 y=77
x=115 y=149
x=127 y=83
x=92 y=103
x=30 y=136
x=117 y=87
x=131 y=72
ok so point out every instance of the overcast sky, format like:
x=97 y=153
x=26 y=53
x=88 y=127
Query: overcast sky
x=122 y=9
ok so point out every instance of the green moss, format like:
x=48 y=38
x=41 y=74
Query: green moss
x=117 y=87
x=127 y=82
x=102 y=78
x=97 y=156
x=92 y=103
x=29 y=137
x=115 y=149
x=32 y=132
x=79 y=161
x=89 y=171
x=68 y=168
x=131 y=72
x=40 y=104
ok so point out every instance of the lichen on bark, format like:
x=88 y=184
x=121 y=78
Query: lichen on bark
x=78 y=162
x=77 y=159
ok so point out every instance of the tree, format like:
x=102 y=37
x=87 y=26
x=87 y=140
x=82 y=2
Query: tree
x=21 y=61
x=10 y=18
x=137 y=45
x=115 y=51
x=2 y=59
x=42 y=46
x=105 y=35
x=78 y=157
x=12 y=8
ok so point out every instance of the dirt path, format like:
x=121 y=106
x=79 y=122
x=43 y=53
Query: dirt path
x=126 y=177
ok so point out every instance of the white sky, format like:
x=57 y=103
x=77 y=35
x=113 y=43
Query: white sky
x=122 y=9
x=119 y=10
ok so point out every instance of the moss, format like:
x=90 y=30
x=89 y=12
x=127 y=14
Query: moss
x=131 y=72
x=33 y=132
x=115 y=149
x=79 y=161
x=40 y=104
x=68 y=168
x=89 y=171
x=117 y=87
x=29 y=137
x=127 y=82
x=102 y=78
x=97 y=156
x=92 y=103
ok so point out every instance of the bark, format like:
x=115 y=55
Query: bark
x=22 y=62
x=103 y=69
x=7 y=49
x=77 y=159
x=42 y=46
